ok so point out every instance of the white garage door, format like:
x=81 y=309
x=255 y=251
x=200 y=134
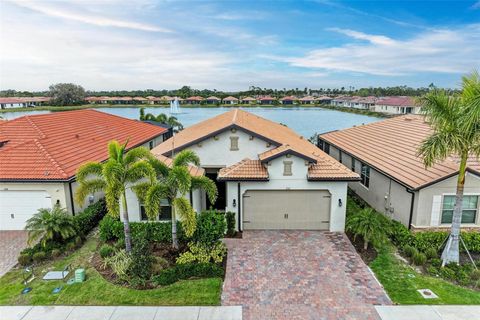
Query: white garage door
x=286 y=209
x=16 y=207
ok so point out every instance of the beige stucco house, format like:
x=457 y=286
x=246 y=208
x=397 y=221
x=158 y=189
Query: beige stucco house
x=393 y=178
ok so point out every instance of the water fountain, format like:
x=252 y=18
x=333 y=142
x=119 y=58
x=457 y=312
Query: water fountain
x=174 y=106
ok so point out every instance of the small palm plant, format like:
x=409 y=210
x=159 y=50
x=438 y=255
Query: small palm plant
x=162 y=118
x=172 y=184
x=121 y=171
x=50 y=224
x=367 y=224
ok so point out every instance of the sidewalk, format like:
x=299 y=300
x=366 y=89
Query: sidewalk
x=428 y=312
x=119 y=313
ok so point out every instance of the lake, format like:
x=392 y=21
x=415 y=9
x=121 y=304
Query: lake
x=304 y=120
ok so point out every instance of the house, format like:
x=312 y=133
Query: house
x=213 y=100
x=271 y=177
x=394 y=179
x=40 y=155
x=307 y=100
x=249 y=100
x=397 y=105
x=194 y=100
x=21 y=102
x=230 y=100
x=288 y=100
x=323 y=100
x=266 y=100
x=140 y=100
x=364 y=103
x=340 y=101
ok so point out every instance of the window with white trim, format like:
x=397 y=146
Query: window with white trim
x=469 y=209
x=165 y=213
x=365 y=175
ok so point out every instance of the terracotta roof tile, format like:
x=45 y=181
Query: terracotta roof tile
x=244 y=170
x=391 y=147
x=230 y=98
x=194 y=170
x=52 y=146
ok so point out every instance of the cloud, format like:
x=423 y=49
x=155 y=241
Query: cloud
x=87 y=18
x=439 y=51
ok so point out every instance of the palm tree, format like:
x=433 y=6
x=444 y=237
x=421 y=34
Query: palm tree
x=172 y=184
x=455 y=120
x=121 y=171
x=162 y=118
x=367 y=224
x=50 y=224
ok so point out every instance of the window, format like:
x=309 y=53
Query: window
x=340 y=156
x=365 y=175
x=150 y=144
x=233 y=143
x=165 y=213
x=353 y=164
x=469 y=209
x=287 y=168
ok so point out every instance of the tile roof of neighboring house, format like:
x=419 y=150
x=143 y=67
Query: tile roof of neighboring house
x=213 y=98
x=399 y=101
x=230 y=98
x=324 y=98
x=140 y=99
x=195 y=98
x=249 y=99
x=289 y=98
x=52 y=146
x=266 y=98
x=307 y=98
x=279 y=135
x=369 y=99
x=23 y=99
x=390 y=146
x=244 y=170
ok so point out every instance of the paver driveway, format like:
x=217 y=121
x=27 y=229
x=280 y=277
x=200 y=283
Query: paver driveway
x=11 y=243
x=299 y=275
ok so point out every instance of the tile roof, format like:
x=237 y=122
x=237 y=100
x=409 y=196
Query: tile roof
x=194 y=170
x=307 y=98
x=390 y=146
x=399 y=101
x=194 y=98
x=244 y=170
x=266 y=98
x=289 y=98
x=268 y=130
x=249 y=99
x=230 y=98
x=213 y=98
x=52 y=146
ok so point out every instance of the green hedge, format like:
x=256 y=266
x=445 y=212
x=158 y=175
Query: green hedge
x=187 y=271
x=88 y=219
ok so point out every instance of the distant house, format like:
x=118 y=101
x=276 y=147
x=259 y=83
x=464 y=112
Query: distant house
x=288 y=100
x=340 y=101
x=266 y=100
x=194 y=100
x=249 y=100
x=394 y=179
x=365 y=103
x=213 y=100
x=140 y=100
x=307 y=100
x=40 y=155
x=323 y=100
x=397 y=105
x=230 y=100
x=22 y=102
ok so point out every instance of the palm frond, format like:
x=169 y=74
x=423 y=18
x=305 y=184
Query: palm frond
x=438 y=146
x=206 y=184
x=87 y=187
x=89 y=169
x=160 y=168
x=186 y=157
x=139 y=170
x=155 y=194
x=136 y=154
x=114 y=148
x=187 y=215
x=141 y=189
x=179 y=178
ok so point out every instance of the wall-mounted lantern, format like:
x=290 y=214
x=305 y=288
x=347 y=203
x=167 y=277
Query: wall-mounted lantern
x=234 y=203
x=340 y=202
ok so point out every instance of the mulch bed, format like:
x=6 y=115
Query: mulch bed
x=367 y=255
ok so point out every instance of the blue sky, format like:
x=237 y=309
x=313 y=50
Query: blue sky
x=231 y=45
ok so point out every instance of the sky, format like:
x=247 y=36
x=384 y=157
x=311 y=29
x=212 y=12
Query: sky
x=232 y=45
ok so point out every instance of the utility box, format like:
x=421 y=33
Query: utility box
x=79 y=275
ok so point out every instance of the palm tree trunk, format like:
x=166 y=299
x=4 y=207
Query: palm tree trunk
x=451 y=253
x=126 y=224
x=174 y=228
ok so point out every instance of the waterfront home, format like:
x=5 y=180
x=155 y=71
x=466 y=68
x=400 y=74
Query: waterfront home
x=140 y=100
x=288 y=100
x=364 y=103
x=213 y=100
x=394 y=179
x=323 y=100
x=40 y=155
x=249 y=100
x=397 y=105
x=266 y=100
x=230 y=100
x=22 y=102
x=340 y=101
x=194 y=100
x=271 y=177
x=307 y=100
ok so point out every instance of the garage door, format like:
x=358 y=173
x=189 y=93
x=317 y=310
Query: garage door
x=286 y=209
x=16 y=207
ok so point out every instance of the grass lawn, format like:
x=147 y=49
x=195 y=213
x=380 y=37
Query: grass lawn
x=394 y=276
x=97 y=291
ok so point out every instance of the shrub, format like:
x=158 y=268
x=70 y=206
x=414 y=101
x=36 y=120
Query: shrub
x=399 y=234
x=367 y=224
x=431 y=253
x=436 y=262
x=203 y=254
x=433 y=271
x=475 y=275
x=106 y=251
x=70 y=246
x=78 y=241
x=211 y=226
x=159 y=264
x=24 y=259
x=447 y=273
x=419 y=258
x=88 y=219
x=187 y=271
x=56 y=253
x=142 y=260
x=230 y=218
x=120 y=263
x=39 y=256
x=409 y=251
x=428 y=239
x=120 y=244
x=108 y=228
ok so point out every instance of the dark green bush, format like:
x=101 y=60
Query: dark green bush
x=108 y=228
x=88 y=219
x=230 y=218
x=24 y=259
x=39 y=256
x=428 y=239
x=409 y=251
x=447 y=273
x=431 y=253
x=433 y=271
x=70 y=246
x=187 y=271
x=106 y=251
x=142 y=259
x=211 y=226
x=436 y=262
x=419 y=258
x=399 y=234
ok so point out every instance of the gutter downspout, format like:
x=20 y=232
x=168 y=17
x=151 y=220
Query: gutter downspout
x=411 y=208
x=71 y=198
x=239 y=209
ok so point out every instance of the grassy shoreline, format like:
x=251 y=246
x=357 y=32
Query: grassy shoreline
x=161 y=106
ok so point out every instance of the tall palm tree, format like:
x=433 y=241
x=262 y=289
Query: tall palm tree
x=121 y=171
x=455 y=120
x=162 y=118
x=172 y=184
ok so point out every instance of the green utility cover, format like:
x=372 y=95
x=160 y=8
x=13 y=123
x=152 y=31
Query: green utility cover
x=79 y=275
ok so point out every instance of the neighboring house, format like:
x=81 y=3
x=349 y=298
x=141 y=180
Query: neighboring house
x=20 y=102
x=40 y=155
x=323 y=100
x=307 y=100
x=213 y=100
x=271 y=177
x=397 y=105
x=249 y=100
x=194 y=100
x=230 y=100
x=140 y=100
x=340 y=101
x=394 y=179
x=365 y=103
x=266 y=100
x=288 y=100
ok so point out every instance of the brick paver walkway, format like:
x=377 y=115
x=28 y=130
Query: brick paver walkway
x=299 y=275
x=11 y=243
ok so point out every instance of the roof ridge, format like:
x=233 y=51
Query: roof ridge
x=50 y=158
x=235 y=115
x=34 y=125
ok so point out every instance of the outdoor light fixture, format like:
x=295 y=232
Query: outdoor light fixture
x=234 y=203
x=340 y=202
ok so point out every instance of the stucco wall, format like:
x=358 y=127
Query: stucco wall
x=56 y=190
x=297 y=181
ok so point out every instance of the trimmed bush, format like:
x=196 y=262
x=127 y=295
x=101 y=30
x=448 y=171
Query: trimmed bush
x=230 y=218
x=409 y=251
x=211 y=227
x=24 y=259
x=431 y=253
x=39 y=256
x=142 y=260
x=88 y=219
x=106 y=251
x=419 y=258
x=399 y=234
x=187 y=271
